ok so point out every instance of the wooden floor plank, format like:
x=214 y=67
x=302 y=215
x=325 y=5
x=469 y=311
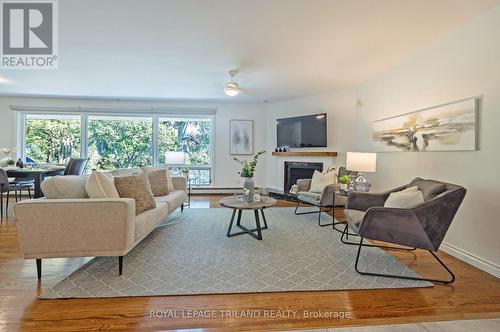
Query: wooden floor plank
x=475 y=294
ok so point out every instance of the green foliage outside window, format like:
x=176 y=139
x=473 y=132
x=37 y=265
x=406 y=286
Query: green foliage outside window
x=192 y=137
x=52 y=141
x=117 y=143
x=120 y=143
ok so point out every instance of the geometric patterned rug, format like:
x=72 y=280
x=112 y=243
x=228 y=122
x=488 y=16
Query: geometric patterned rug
x=189 y=253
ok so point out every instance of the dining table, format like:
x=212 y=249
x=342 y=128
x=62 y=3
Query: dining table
x=38 y=174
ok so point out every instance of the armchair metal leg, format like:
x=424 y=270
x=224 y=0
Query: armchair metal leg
x=318 y=212
x=346 y=233
x=404 y=277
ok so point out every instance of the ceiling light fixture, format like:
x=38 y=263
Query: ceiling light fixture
x=231 y=88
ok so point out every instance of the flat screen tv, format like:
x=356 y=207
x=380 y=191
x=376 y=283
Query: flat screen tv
x=302 y=131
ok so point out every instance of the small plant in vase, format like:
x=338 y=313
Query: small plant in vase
x=247 y=172
x=344 y=182
x=185 y=172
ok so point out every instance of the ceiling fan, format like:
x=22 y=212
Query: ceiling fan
x=231 y=88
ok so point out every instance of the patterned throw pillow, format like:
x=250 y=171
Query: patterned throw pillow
x=136 y=187
x=170 y=182
x=158 y=181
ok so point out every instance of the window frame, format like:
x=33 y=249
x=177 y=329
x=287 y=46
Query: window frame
x=155 y=119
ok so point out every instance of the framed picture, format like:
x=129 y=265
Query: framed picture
x=448 y=127
x=241 y=137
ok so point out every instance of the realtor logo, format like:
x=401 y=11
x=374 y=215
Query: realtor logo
x=29 y=34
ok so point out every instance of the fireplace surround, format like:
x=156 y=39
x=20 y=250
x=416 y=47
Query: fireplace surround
x=294 y=170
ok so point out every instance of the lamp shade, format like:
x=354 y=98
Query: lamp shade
x=361 y=161
x=175 y=158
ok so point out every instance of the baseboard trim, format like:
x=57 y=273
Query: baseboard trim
x=472 y=259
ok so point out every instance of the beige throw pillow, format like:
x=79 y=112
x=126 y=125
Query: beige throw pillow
x=138 y=188
x=101 y=185
x=320 y=181
x=404 y=199
x=64 y=186
x=158 y=181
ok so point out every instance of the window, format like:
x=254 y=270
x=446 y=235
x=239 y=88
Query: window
x=110 y=140
x=192 y=137
x=119 y=142
x=52 y=138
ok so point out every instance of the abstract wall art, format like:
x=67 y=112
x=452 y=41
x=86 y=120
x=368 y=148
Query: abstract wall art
x=241 y=137
x=448 y=127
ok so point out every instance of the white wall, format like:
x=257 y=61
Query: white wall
x=464 y=64
x=339 y=107
x=225 y=168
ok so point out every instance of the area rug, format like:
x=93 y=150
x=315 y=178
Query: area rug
x=189 y=253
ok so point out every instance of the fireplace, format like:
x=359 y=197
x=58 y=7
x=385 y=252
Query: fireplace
x=298 y=170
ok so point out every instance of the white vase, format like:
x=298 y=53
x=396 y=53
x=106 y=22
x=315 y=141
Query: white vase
x=248 y=190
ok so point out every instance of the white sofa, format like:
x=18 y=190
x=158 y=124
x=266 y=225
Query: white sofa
x=81 y=227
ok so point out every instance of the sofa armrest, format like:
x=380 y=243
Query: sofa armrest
x=75 y=227
x=180 y=182
x=303 y=184
x=362 y=201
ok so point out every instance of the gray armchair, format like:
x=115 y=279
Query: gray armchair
x=327 y=200
x=422 y=227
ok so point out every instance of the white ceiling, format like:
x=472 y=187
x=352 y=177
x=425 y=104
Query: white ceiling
x=182 y=49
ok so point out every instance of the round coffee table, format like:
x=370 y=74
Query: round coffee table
x=238 y=205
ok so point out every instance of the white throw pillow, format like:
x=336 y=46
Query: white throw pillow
x=101 y=185
x=409 y=190
x=67 y=186
x=404 y=199
x=320 y=181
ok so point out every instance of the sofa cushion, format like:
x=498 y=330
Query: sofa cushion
x=429 y=188
x=101 y=185
x=354 y=218
x=148 y=220
x=320 y=180
x=136 y=187
x=158 y=181
x=64 y=186
x=174 y=199
x=309 y=197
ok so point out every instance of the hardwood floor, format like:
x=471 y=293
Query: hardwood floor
x=475 y=294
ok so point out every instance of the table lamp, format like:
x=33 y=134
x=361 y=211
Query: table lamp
x=361 y=162
x=175 y=157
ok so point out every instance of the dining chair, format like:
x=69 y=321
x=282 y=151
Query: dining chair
x=75 y=166
x=7 y=186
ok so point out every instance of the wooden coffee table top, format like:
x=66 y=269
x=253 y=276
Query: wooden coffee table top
x=236 y=203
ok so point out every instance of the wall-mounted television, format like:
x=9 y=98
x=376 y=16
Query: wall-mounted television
x=307 y=131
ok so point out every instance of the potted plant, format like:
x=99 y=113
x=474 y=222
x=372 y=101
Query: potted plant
x=185 y=172
x=247 y=172
x=344 y=182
